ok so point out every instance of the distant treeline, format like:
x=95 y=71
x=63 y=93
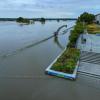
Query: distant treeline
x=37 y=19
x=8 y=19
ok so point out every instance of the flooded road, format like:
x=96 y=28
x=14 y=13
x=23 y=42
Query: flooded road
x=22 y=64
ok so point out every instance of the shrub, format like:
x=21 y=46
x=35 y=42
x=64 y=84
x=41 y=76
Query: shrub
x=86 y=17
x=58 y=66
x=70 y=65
x=78 y=29
x=67 y=61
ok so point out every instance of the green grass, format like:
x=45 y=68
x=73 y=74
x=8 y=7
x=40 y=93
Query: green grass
x=93 y=28
x=67 y=61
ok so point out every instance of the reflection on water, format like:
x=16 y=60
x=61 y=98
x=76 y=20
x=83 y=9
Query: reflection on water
x=29 y=46
x=56 y=40
x=37 y=43
x=16 y=38
x=42 y=22
x=58 y=20
x=22 y=75
x=25 y=52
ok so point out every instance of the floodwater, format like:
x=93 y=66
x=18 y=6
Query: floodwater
x=25 y=53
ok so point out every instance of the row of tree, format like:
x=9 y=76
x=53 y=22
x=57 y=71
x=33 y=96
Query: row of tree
x=25 y=20
x=83 y=19
x=88 y=18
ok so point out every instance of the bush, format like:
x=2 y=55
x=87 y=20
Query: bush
x=67 y=61
x=22 y=20
x=78 y=29
x=70 y=65
x=87 y=18
x=58 y=66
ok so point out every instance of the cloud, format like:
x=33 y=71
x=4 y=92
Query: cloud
x=47 y=8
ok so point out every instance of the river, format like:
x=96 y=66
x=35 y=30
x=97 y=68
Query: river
x=23 y=62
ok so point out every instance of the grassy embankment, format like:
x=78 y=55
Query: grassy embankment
x=67 y=61
x=93 y=28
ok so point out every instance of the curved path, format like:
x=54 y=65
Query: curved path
x=57 y=32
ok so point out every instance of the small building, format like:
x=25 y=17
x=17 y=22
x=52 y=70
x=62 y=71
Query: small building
x=97 y=18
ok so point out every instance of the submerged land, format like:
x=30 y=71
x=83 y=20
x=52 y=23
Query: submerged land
x=23 y=64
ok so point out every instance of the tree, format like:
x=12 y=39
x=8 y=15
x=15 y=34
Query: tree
x=86 y=17
x=42 y=19
x=20 y=19
x=23 y=20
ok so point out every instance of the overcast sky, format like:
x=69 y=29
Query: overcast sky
x=47 y=8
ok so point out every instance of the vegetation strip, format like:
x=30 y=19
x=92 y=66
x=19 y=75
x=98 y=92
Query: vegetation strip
x=50 y=71
x=66 y=64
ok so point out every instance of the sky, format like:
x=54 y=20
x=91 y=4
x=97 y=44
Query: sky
x=47 y=8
